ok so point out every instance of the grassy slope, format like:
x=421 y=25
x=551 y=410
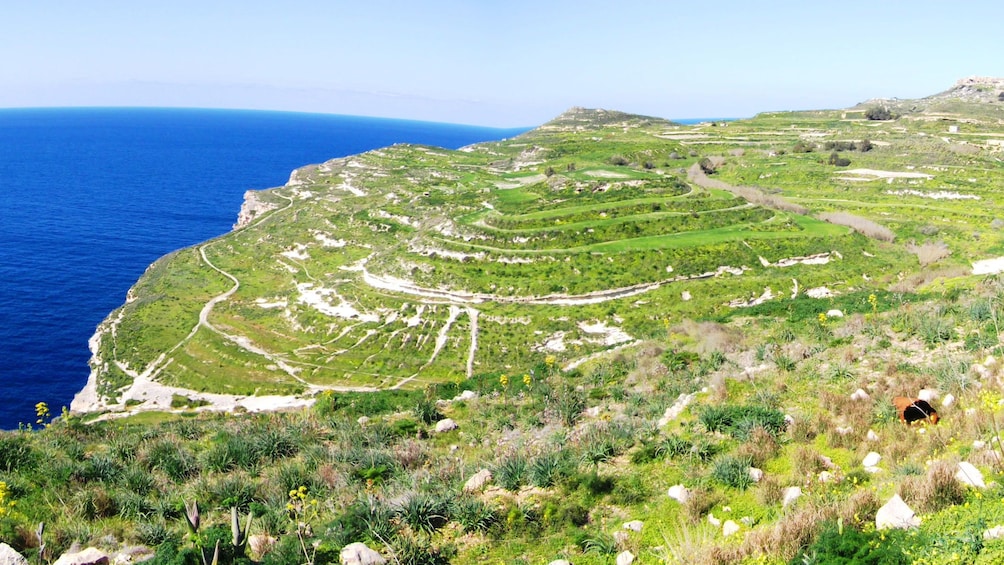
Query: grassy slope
x=597 y=468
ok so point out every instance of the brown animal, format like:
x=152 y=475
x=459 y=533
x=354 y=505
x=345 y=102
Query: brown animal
x=911 y=410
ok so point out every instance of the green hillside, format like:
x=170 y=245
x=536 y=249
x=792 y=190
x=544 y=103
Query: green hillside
x=678 y=342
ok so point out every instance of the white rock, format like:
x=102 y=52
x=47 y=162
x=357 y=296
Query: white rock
x=634 y=525
x=756 y=474
x=928 y=395
x=859 y=395
x=828 y=463
x=714 y=521
x=994 y=532
x=979 y=444
x=872 y=469
x=948 y=400
x=843 y=430
x=789 y=419
x=625 y=558
x=990 y=362
x=467 y=395
x=746 y=521
x=9 y=556
x=89 y=556
x=560 y=562
x=872 y=459
x=826 y=477
x=260 y=544
x=970 y=475
x=834 y=314
x=676 y=409
x=685 y=295
x=358 y=554
x=872 y=436
x=478 y=481
x=790 y=495
x=363 y=420
x=593 y=412
x=446 y=425
x=729 y=528
x=896 y=514
x=679 y=493
x=620 y=538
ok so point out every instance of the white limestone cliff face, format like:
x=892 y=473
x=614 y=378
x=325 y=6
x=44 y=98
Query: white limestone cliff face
x=251 y=209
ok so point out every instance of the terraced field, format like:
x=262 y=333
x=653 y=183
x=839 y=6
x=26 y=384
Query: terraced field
x=411 y=265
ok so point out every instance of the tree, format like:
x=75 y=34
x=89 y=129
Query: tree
x=866 y=145
x=878 y=113
x=837 y=160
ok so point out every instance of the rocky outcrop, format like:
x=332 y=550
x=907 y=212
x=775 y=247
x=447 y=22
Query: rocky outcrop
x=251 y=209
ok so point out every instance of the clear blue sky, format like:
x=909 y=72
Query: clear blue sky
x=491 y=62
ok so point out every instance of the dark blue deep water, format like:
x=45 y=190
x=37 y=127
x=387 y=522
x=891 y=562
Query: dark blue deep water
x=90 y=197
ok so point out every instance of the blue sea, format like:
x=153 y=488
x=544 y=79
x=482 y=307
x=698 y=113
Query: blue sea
x=90 y=197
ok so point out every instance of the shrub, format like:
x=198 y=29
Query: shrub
x=877 y=113
x=474 y=514
x=511 y=472
x=850 y=546
x=549 y=468
x=425 y=512
x=707 y=166
x=172 y=459
x=426 y=410
x=739 y=420
x=618 y=160
x=567 y=403
x=16 y=453
x=733 y=471
x=865 y=227
x=865 y=146
x=929 y=252
x=699 y=502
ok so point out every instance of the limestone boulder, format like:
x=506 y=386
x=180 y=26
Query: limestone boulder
x=446 y=425
x=89 y=556
x=359 y=554
x=970 y=475
x=9 y=556
x=896 y=514
x=478 y=481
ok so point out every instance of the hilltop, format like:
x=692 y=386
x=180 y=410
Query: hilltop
x=611 y=338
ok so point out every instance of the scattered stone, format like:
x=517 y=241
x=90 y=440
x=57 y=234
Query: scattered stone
x=620 y=538
x=826 y=477
x=625 y=558
x=478 y=481
x=260 y=544
x=729 y=528
x=467 y=395
x=872 y=436
x=843 y=430
x=676 y=409
x=994 y=532
x=89 y=556
x=834 y=314
x=679 y=493
x=979 y=444
x=686 y=295
x=872 y=459
x=593 y=412
x=756 y=474
x=560 y=562
x=928 y=395
x=828 y=463
x=634 y=525
x=446 y=425
x=358 y=554
x=970 y=475
x=747 y=521
x=859 y=395
x=990 y=362
x=363 y=420
x=896 y=514
x=714 y=521
x=790 y=495
x=8 y=556
x=948 y=400
x=789 y=419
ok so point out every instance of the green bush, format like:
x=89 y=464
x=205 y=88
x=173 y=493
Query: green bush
x=850 y=546
x=739 y=420
x=733 y=471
